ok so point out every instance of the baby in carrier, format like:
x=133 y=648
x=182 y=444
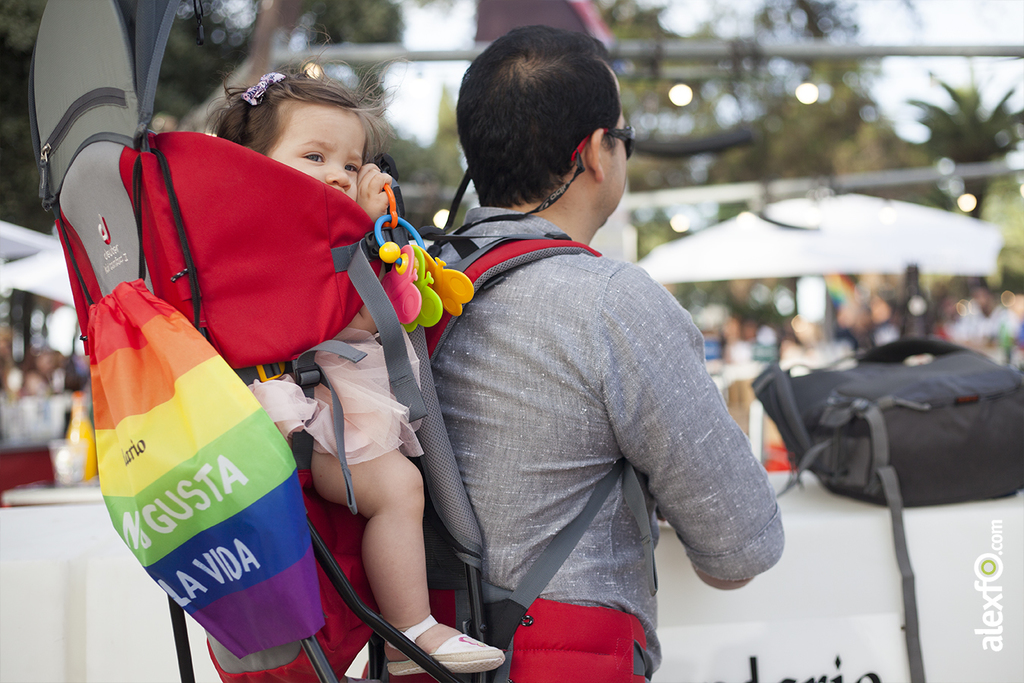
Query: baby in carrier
x=323 y=129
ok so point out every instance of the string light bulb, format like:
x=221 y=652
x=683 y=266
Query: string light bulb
x=679 y=222
x=807 y=93
x=680 y=94
x=967 y=202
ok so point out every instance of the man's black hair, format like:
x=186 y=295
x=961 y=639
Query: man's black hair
x=525 y=104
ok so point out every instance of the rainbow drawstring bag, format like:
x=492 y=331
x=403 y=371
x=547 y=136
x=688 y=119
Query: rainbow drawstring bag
x=198 y=481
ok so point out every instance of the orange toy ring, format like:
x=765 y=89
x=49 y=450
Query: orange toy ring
x=392 y=209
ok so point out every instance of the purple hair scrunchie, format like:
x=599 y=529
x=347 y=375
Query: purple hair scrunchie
x=254 y=95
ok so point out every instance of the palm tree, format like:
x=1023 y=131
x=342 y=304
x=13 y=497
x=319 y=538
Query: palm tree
x=968 y=132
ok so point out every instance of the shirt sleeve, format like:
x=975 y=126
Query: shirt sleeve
x=672 y=424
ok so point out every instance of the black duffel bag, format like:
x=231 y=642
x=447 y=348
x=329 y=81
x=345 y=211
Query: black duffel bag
x=914 y=422
x=952 y=428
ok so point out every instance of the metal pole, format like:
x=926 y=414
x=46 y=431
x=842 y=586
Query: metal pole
x=798 y=187
x=180 y=630
x=686 y=50
x=317 y=658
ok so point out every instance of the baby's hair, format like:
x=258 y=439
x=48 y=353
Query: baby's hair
x=259 y=127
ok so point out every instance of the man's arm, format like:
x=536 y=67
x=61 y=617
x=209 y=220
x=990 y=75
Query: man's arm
x=721 y=584
x=672 y=423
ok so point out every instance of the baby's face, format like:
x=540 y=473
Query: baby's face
x=322 y=141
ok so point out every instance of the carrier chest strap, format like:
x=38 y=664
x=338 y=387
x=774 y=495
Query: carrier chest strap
x=486 y=266
x=307 y=375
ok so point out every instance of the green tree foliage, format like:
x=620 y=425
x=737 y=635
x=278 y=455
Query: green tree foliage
x=189 y=73
x=840 y=133
x=965 y=131
x=1004 y=206
x=631 y=20
x=19 y=180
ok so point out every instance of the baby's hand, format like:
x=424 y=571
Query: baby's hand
x=370 y=194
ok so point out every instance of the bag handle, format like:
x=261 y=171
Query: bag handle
x=787 y=404
x=900 y=350
x=911 y=628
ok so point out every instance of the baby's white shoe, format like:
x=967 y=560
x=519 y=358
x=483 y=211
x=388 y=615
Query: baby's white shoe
x=459 y=654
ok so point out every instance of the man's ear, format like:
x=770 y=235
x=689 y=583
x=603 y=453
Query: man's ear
x=592 y=155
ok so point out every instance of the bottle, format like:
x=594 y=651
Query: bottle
x=80 y=431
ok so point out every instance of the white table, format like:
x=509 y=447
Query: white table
x=76 y=606
x=48 y=494
x=835 y=597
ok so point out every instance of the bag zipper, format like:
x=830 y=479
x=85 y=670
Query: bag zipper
x=90 y=100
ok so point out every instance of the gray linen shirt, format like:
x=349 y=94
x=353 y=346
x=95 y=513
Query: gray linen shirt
x=555 y=373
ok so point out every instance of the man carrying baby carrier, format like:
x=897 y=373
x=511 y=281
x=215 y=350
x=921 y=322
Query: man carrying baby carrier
x=574 y=364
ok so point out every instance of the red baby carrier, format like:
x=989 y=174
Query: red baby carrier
x=236 y=243
x=267 y=263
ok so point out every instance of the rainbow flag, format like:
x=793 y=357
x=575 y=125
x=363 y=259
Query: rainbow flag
x=841 y=289
x=198 y=481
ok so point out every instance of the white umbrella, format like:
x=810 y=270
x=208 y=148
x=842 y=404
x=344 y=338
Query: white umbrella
x=39 y=266
x=841 y=234
x=44 y=273
x=17 y=242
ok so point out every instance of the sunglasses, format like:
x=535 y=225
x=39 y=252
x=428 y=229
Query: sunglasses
x=627 y=135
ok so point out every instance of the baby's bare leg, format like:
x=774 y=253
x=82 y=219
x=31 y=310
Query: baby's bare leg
x=389 y=493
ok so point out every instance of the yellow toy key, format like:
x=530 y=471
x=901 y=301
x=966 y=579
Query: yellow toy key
x=452 y=286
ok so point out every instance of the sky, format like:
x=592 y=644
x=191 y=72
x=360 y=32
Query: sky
x=416 y=88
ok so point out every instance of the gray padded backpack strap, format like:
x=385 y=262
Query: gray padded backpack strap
x=352 y=260
x=99 y=211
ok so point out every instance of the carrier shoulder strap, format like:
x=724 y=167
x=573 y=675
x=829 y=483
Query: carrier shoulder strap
x=485 y=266
x=352 y=259
x=508 y=612
x=308 y=374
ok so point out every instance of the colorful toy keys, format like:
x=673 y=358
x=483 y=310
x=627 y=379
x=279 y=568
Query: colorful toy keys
x=399 y=285
x=419 y=286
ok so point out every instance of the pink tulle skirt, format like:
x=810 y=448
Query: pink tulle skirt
x=375 y=423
